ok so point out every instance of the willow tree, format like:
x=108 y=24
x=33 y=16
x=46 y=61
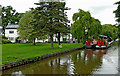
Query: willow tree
x=95 y=28
x=85 y=26
x=81 y=24
x=51 y=15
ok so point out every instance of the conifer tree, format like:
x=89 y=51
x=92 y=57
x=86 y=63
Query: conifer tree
x=51 y=16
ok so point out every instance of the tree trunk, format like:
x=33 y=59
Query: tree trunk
x=78 y=39
x=51 y=39
x=58 y=38
x=34 y=41
x=43 y=41
x=3 y=30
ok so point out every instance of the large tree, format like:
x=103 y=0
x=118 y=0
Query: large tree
x=112 y=31
x=9 y=15
x=61 y=21
x=85 y=26
x=27 y=30
x=117 y=15
x=52 y=16
x=95 y=28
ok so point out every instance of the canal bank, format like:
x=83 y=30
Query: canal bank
x=100 y=62
x=35 y=59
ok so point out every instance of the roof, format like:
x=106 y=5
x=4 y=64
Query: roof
x=103 y=36
x=12 y=26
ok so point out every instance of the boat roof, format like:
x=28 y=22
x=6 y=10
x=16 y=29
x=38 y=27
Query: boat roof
x=103 y=36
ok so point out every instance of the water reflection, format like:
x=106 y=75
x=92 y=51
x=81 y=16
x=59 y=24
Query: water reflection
x=79 y=62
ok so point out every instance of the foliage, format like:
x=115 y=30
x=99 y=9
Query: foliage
x=25 y=29
x=9 y=15
x=62 y=27
x=85 y=26
x=110 y=30
x=0 y=22
x=5 y=40
x=117 y=15
x=50 y=17
x=44 y=37
x=0 y=16
x=3 y=37
x=23 y=51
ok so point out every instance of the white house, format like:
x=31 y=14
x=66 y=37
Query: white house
x=11 y=33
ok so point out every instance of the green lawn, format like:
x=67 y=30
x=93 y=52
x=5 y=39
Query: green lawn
x=14 y=52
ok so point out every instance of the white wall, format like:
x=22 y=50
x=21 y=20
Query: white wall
x=14 y=35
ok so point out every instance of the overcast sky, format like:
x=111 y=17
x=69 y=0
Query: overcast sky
x=99 y=9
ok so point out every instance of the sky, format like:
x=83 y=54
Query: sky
x=99 y=9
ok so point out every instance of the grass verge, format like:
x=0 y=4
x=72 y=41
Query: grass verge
x=15 y=52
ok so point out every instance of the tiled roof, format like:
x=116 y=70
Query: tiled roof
x=12 y=26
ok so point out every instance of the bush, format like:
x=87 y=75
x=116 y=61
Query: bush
x=5 y=41
x=3 y=37
x=29 y=42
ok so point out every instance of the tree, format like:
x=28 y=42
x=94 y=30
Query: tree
x=27 y=30
x=44 y=37
x=117 y=15
x=95 y=28
x=61 y=21
x=110 y=30
x=84 y=25
x=51 y=15
x=0 y=15
x=9 y=15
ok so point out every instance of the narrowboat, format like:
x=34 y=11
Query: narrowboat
x=89 y=45
x=105 y=43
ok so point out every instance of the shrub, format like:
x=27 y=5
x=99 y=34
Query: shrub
x=3 y=37
x=5 y=41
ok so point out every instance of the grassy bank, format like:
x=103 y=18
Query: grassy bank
x=14 y=52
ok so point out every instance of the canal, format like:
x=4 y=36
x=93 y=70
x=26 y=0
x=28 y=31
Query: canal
x=77 y=62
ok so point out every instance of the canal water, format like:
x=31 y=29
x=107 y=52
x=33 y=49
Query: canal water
x=77 y=62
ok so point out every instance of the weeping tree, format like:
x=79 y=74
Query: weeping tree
x=81 y=24
x=51 y=15
x=95 y=28
x=85 y=26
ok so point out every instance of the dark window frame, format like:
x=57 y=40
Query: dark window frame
x=11 y=32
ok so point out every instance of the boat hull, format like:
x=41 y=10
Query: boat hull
x=102 y=47
x=90 y=46
x=97 y=47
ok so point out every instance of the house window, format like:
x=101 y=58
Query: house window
x=11 y=32
x=11 y=38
